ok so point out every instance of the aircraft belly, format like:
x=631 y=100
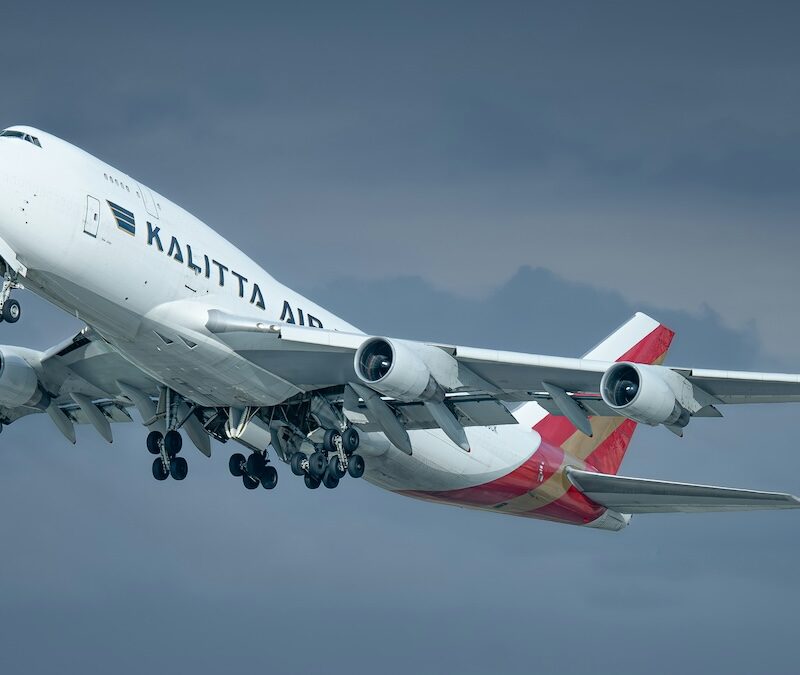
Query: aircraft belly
x=438 y=464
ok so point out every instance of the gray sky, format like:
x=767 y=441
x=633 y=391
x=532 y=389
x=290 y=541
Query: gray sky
x=520 y=175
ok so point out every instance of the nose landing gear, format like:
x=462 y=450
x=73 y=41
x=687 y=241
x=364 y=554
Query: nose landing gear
x=10 y=310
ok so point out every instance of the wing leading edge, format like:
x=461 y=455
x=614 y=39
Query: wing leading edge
x=314 y=358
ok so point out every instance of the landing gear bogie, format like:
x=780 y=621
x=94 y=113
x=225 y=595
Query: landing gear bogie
x=166 y=448
x=255 y=470
x=333 y=459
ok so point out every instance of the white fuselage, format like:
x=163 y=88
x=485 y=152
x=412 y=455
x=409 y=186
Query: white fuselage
x=148 y=293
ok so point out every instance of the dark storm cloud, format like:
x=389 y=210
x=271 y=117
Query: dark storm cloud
x=616 y=126
x=521 y=315
x=441 y=160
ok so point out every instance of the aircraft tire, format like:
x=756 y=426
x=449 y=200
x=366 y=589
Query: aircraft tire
x=329 y=440
x=178 y=468
x=295 y=461
x=330 y=481
x=12 y=311
x=335 y=468
x=317 y=465
x=249 y=482
x=159 y=472
x=350 y=440
x=173 y=442
x=269 y=478
x=153 y=442
x=255 y=464
x=355 y=466
x=235 y=464
x=311 y=482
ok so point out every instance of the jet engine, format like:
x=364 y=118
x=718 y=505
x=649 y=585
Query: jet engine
x=19 y=384
x=397 y=369
x=643 y=394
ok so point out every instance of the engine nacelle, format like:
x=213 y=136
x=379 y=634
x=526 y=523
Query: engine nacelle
x=642 y=393
x=398 y=369
x=19 y=383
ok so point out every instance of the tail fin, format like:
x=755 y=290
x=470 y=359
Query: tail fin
x=641 y=340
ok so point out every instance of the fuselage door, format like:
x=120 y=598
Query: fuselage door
x=149 y=203
x=91 y=220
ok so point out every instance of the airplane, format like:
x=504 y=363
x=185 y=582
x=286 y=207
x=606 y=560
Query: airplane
x=202 y=342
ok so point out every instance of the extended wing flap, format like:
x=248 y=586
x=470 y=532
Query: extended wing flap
x=642 y=495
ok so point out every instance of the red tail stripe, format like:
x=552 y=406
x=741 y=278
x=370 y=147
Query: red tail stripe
x=652 y=348
x=607 y=456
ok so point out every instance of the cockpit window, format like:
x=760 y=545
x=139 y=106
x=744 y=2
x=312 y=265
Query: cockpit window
x=11 y=133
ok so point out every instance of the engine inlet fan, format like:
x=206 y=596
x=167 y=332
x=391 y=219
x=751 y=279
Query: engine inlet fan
x=376 y=361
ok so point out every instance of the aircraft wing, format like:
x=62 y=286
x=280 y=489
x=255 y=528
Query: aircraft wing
x=641 y=495
x=80 y=370
x=314 y=358
x=318 y=357
x=90 y=383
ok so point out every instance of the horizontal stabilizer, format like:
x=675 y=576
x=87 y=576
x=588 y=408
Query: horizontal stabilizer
x=642 y=495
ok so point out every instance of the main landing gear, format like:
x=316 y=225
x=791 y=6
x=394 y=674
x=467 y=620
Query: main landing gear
x=167 y=446
x=328 y=464
x=10 y=310
x=254 y=471
x=167 y=463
